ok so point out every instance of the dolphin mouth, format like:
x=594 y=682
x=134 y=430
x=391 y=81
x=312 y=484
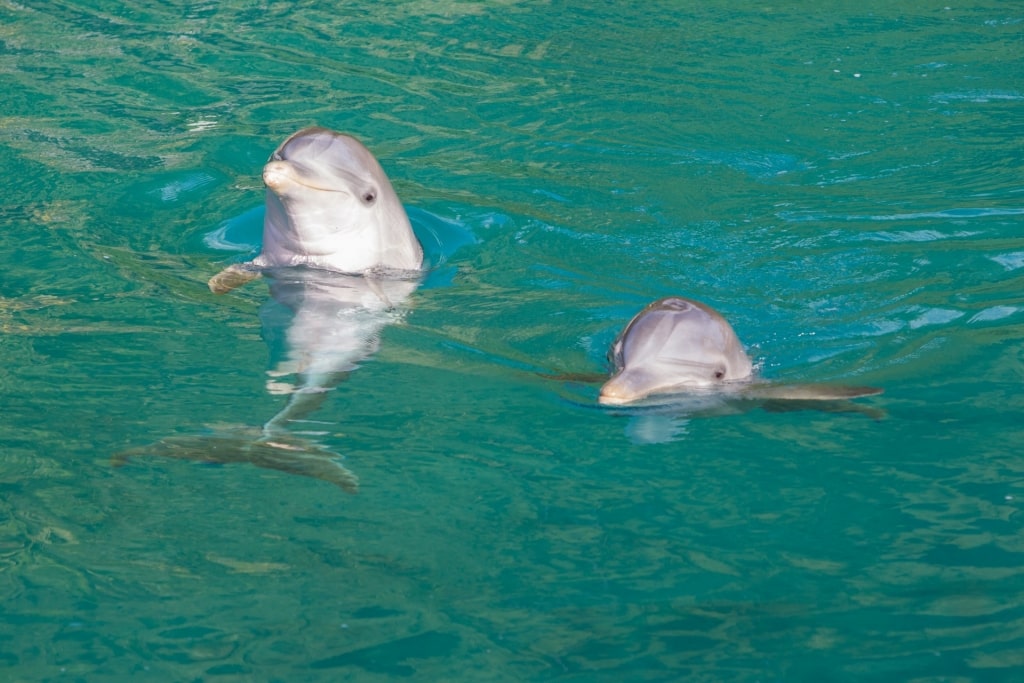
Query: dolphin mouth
x=628 y=387
x=687 y=363
x=320 y=188
x=609 y=400
x=656 y=396
x=278 y=174
x=666 y=395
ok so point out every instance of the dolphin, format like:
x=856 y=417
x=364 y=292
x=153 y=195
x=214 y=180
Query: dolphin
x=683 y=348
x=330 y=206
x=341 y=258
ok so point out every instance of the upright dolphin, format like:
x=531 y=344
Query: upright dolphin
x=341 y=258
x=681 y=346
x=329 y=205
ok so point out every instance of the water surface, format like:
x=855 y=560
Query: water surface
x=842 y=183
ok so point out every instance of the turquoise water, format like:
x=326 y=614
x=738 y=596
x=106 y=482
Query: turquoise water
x=843 y=182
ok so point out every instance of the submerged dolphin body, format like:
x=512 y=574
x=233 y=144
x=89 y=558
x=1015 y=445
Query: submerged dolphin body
x=341 y=258
x=681 y=347
x=322 y=325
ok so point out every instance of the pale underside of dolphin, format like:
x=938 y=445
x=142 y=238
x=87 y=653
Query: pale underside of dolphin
x=681 y=350
x=342 y=259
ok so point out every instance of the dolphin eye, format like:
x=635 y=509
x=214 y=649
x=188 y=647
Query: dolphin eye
x=719 y=374
x=369 y=196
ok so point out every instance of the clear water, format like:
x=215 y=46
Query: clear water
x=842 y=181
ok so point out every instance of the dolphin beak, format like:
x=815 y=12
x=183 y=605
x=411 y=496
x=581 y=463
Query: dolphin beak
x=281 y=175
x=278 y=174
x=623 y=388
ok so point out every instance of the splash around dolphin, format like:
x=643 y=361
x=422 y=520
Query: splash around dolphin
x=329 y=206
x=678 y=347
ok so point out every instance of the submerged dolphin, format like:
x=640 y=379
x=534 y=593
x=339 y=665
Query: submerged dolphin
x=321 y=326
x=342 y=258
x=678 y=346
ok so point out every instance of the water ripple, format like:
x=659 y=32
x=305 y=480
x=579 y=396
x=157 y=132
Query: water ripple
x=562 y=168
x=948 y=214
x=1011 y=261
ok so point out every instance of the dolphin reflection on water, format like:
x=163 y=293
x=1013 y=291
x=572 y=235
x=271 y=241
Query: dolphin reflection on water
x=342 y=259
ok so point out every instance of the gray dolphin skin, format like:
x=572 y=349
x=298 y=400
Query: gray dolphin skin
x=677 y=346
x=673 y=345
x=329 y=205
x=341 y=259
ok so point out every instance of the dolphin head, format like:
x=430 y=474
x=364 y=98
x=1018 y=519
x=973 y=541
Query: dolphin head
x=673 y=345
x=330 y=205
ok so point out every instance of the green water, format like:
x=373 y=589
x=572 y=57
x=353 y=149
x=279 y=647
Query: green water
x=841 y=180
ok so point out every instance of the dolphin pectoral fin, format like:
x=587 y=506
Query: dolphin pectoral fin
x=829 y=406
x=806 y=392
x=231 y=277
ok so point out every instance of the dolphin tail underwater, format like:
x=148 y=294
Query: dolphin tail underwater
x=282 y=452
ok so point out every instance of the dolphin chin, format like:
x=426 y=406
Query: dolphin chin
x=606 y=398
x=620 y=390
x=615 y=393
